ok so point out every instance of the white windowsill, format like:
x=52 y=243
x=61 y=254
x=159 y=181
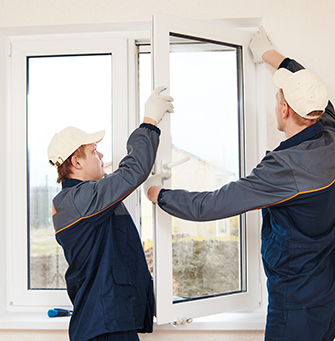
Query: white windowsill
x=226 y=321
x=30 y=320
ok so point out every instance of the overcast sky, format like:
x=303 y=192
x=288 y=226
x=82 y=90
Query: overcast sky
x=76 y=91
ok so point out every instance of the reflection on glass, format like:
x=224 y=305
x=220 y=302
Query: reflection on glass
x=62 y=91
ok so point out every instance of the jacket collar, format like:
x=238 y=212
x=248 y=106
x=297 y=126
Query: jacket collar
x=70 y=183
x=312 y=132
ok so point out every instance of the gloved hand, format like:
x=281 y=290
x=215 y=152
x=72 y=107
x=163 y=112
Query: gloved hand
x=155 y=180
x=156 y=106
x=259 y=44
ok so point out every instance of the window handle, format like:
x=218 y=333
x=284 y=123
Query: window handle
x=167 y=166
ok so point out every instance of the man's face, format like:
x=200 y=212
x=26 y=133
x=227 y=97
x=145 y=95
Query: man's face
x=93 y=165
x=279 y=112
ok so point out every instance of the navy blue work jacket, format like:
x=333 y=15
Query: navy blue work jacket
x=108 y=280
x=294 y=185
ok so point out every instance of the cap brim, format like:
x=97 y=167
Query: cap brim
x=95 y=137
x=280 y=77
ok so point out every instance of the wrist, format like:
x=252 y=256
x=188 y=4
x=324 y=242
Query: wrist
x=153 y=193
x=273 y=58
x=149 y=120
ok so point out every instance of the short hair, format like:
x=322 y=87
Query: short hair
x=299 y=120
x=64 y=170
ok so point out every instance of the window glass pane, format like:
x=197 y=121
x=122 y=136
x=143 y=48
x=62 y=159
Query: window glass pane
x=205 y=128
x=61 y=91
x=205 y=82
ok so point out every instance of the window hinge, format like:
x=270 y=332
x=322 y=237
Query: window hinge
x=181 y=321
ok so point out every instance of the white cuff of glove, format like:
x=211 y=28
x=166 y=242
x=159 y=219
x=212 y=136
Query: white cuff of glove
x=155 y=180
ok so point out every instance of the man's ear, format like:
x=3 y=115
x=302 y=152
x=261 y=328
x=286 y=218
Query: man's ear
x=286 y=110
x=75 y=162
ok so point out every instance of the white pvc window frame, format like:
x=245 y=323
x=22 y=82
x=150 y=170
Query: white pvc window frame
x=122 y=46
x=167 y=311
x=19 y=297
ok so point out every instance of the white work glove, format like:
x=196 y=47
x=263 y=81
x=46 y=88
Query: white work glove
x=155 y=180
x=259 y=44
x=156 y=106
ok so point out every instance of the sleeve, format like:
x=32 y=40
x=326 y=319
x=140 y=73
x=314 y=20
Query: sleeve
x=270 y=183
x=328 y=117
x=92 y=197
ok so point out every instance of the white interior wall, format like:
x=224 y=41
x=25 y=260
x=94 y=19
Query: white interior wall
x=301 y=29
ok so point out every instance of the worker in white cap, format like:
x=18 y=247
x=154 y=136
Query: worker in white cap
x=107 y=280
x=294 y=185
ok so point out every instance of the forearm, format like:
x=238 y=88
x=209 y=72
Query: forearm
x=142 y=146
x=203 y=206
x=270 y=183
x=207 y=206
x=135 y=167
x=273 y=58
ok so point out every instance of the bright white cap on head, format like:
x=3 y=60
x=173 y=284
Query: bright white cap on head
x=304 y=91
x=69 y=140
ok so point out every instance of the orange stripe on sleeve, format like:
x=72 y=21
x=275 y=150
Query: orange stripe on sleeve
x=299 y=193
x=53 y=210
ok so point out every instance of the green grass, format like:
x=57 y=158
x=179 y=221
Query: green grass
x=43 y=242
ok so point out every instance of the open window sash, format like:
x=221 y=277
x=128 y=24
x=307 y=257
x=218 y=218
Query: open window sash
x=171 y=306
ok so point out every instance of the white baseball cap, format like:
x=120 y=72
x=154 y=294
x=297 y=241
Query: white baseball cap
x=304 y=91
x=69 y=140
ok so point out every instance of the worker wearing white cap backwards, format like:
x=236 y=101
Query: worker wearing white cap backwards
x=108 y=280
x=294 y=185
